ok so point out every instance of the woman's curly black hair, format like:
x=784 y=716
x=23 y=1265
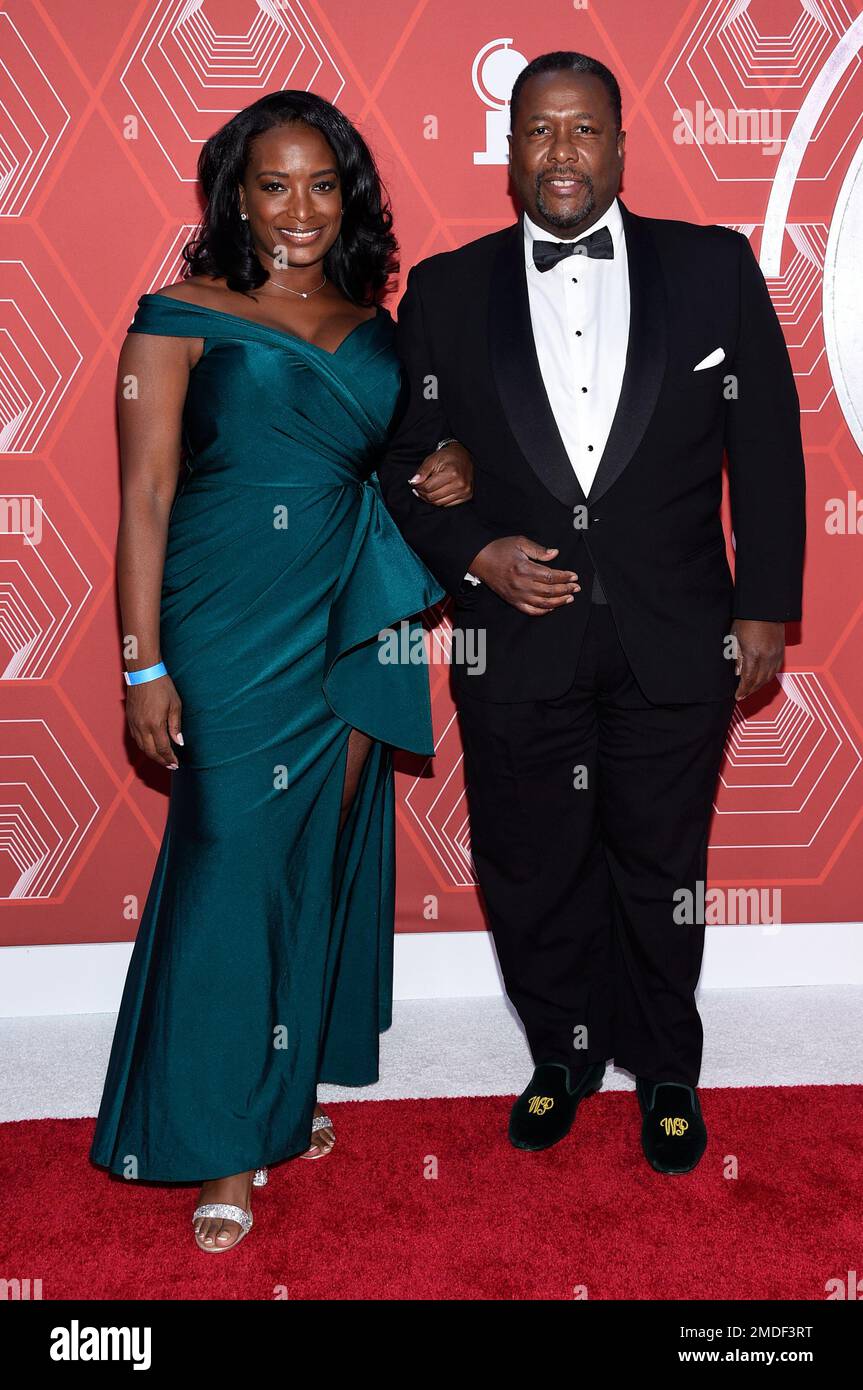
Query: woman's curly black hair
x=362 y=259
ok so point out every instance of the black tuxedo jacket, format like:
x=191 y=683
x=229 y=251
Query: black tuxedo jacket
x=650 y=526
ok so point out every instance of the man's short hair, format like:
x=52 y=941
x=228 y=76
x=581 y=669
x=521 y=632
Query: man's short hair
x=567 y=62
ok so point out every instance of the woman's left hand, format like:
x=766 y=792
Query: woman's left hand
x=445 y=478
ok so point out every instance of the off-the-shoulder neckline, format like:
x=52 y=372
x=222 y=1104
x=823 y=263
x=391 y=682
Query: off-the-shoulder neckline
x=266 y=327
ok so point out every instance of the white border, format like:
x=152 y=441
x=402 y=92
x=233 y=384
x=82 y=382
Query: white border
x=88 y=978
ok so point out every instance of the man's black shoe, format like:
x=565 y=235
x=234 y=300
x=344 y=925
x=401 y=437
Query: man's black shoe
x=544 y=1112
x=673 y=1133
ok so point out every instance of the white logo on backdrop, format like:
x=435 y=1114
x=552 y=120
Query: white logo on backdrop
x=494 y=71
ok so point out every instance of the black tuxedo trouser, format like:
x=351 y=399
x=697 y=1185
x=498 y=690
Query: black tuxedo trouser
x=578 y=880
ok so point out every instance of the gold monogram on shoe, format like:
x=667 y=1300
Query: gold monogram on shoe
x=537 y=1105
x=674 y=1124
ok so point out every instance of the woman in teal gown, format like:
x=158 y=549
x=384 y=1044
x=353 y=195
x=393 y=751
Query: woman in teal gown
x=263 y=960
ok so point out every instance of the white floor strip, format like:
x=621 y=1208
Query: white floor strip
x=54 y=1066
x=87 y=977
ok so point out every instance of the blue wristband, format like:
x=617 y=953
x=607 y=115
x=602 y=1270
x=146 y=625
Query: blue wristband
x=150 y=673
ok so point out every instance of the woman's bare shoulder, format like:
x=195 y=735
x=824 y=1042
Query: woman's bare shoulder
x=197 y=289
x=194 y=287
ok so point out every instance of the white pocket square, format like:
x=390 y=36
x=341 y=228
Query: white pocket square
x=711 y=360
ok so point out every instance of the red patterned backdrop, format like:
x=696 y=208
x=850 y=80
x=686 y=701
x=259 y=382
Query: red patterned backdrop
x=745 y=112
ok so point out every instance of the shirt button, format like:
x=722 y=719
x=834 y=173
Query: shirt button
x=578 y=332
x=584 y=388
x=590 y=448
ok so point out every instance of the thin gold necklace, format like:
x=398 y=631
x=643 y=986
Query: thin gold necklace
x=303 y=294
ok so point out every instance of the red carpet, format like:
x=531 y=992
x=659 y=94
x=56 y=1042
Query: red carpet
x=494 y=1223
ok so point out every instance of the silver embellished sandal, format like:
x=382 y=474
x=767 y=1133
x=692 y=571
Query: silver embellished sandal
x=321 y=1122
x=226 y=1211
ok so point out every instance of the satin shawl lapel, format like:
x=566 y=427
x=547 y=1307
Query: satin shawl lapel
x=516 y=372
x=646 y=354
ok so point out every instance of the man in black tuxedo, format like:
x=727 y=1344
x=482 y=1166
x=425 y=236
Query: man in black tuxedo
x=597 y=365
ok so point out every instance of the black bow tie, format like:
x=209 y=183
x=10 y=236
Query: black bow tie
x=597 y=245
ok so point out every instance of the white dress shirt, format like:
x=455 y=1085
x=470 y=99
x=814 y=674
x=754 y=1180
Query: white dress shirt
x=579 y=311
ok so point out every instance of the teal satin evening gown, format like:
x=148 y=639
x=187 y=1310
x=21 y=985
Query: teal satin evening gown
x=263 y=960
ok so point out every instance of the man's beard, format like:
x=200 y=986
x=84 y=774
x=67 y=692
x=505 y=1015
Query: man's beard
x=566 y=221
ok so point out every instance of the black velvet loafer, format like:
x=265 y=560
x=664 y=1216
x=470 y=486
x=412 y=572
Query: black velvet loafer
x=544 y=1112
x=673 y=1133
